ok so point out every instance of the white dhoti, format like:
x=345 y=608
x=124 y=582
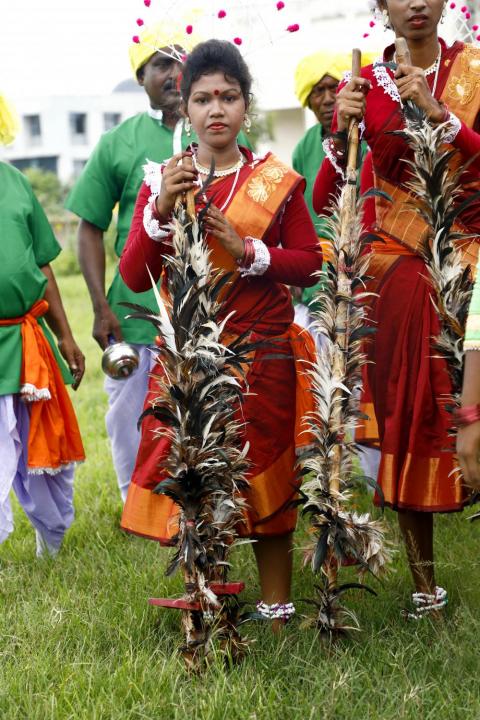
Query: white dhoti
x=46 y=498
x=125 y=400
x=369 y=460
x=304 y=318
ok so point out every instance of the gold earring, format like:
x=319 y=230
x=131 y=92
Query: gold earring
x=188 y=126
x=247 y=122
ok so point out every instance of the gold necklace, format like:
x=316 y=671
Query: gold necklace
x=219 y=173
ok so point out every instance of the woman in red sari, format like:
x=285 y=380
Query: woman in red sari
x=406 y=383
x=259 y=226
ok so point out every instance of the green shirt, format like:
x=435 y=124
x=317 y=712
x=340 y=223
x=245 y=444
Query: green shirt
x=306 y=160
x=27 y=243
x=113 y=175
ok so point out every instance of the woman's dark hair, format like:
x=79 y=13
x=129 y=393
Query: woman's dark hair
x=216 y=56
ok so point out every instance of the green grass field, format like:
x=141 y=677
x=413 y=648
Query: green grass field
x=78 y=640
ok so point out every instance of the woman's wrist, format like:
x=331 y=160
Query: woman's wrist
x=439 y=114
x=467 y=415
x=245 y=261
x=161 y=212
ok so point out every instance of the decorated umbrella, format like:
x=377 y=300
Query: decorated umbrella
x=251 y=26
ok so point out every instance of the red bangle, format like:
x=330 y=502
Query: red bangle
x=248 y=257
x=156 y=215
x=467 y=415
x=446 y=113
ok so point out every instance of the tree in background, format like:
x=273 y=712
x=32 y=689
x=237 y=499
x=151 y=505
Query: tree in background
x=49 y=191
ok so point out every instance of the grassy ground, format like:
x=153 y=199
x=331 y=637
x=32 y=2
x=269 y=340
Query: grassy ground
x=78 y=640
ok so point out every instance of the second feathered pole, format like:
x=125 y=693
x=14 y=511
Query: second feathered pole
x=340 y=536
x=348 y=224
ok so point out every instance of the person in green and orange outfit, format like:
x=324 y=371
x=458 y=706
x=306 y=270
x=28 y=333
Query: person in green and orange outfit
x=40 y=440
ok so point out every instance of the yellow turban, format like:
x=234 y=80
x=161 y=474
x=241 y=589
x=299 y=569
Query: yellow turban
x=163 y=34
x=313 y=68
x=9 y=122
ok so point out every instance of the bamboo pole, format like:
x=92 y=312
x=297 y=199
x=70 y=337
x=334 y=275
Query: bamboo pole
x=347 y=221
x=187 y=198
x=402 y=52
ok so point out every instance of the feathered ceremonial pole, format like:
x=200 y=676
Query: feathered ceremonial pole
x=204 y=472
x=435 y=188
x=340 y=536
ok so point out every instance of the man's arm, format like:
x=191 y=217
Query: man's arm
x=91 y=256
x=57 y=320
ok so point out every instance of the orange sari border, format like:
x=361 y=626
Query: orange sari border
x=426 y=484
x=156 y=516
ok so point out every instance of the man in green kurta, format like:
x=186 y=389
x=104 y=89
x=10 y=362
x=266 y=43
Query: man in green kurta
x=39 y=437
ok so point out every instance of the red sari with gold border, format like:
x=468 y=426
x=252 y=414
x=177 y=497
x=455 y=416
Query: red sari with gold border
x=405 y=383
x=267 y=204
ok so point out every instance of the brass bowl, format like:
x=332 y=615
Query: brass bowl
x=120 y=360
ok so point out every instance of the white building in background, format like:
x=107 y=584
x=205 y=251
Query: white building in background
x=59 y=133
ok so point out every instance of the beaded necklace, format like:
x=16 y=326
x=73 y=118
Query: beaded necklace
x=219 y=173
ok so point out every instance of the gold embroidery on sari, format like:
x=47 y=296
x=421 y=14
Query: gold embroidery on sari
x=265 y=182
x=464 y=85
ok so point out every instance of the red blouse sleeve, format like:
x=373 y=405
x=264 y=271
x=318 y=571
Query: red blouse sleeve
x=140 y=250
x=328 y=181
x=300 y=254
x=367 y=182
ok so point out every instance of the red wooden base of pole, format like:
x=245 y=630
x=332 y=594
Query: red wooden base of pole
x=220 y=589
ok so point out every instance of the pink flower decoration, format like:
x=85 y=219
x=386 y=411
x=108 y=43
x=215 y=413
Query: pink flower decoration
x=221 y=14
x=293 y=28
x=467 y=15
x=478 y=37
x=365 y=35
x=189 y=29
x=453 y=5
x=464 y=9
x=372 y=23
x=140 y=22
x=280 y=5
x=147 y=3
x=237 y=41
x=475 y=28
x=136 y=39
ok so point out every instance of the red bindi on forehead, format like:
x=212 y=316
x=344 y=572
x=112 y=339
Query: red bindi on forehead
x=216 y=92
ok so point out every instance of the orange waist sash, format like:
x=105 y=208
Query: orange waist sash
x=54 y=437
